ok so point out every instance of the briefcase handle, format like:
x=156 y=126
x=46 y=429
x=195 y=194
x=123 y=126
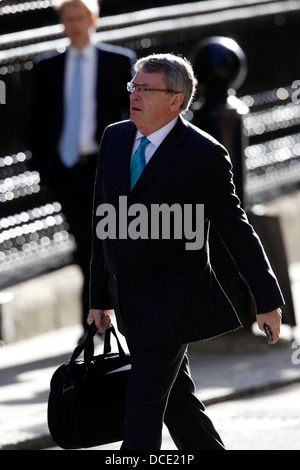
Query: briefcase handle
x=88 y=345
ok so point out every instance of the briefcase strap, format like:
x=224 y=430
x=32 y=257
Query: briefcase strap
x=88 y=345
x=107 y=345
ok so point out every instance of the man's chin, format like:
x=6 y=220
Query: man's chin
x=133 y=117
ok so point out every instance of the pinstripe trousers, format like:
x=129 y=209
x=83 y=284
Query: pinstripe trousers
x=161 y=390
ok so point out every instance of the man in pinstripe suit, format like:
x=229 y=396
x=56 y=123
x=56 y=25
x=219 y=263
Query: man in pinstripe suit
x=165 y=295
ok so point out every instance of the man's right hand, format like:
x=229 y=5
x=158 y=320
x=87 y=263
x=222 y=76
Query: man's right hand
x=101 y=318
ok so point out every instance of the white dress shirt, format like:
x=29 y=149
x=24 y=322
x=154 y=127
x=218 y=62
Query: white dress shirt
x=87 y=142
x=155 y=138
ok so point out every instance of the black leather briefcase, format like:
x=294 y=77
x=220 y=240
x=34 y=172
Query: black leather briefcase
x=86 y=404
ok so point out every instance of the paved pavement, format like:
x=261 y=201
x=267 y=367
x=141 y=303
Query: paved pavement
x=264 y=421
x=235 y=365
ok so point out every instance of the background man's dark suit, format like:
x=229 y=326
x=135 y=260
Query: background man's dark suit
x=163 y=294
x=74 y=187
x=114 y=69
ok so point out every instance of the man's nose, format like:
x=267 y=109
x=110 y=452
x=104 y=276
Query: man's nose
x=135 y=94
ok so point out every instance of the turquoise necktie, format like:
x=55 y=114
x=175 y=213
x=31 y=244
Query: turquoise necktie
x=70 y=137
x=138 y=162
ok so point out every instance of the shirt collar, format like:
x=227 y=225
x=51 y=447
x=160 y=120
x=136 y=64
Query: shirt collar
x=157 y=137
x=86 y=52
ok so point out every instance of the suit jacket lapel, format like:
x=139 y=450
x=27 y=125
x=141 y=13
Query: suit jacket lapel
x=122 y=166
x=101 y=77
x=168 y=150
x=57 y=96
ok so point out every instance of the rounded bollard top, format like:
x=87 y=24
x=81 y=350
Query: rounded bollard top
x=219 y=63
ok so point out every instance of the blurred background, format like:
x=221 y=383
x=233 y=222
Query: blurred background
x=247 y=60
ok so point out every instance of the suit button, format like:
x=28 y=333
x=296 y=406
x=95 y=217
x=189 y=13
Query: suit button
x=114 y=277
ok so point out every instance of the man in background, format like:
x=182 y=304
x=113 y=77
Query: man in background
x=77 y=93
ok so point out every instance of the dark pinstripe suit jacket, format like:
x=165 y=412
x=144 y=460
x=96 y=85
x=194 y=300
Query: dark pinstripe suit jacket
x=162 y=293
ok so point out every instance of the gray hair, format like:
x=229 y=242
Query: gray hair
x=178 y=74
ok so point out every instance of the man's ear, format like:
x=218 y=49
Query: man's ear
x=176 y=102
x=94 y=20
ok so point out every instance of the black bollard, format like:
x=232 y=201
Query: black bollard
x=221 y=67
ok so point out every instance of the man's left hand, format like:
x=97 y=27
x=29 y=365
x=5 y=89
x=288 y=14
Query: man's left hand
x=273 y=320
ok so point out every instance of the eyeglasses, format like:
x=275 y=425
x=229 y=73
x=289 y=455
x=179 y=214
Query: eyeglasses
x=145 y=89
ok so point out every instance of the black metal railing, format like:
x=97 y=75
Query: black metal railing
x=34 y=235
x=272 y=158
